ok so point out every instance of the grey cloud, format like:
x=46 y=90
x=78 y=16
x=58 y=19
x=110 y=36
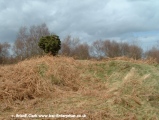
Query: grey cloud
x=88 y=19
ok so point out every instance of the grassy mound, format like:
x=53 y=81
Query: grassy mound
x=114 y=89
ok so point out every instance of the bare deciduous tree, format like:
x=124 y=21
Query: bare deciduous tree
x=20 y=48
x=153 y=53
x=82 y=51
x=135 y=52
x=124 y=49
x=36 y=32
x=97 y=49
x=66 y=46
x=111 y=48
x=26 y=44
x=73 y=48
x=4 y=52
x=69 y=45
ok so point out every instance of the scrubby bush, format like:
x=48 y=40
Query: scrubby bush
x=50 y=44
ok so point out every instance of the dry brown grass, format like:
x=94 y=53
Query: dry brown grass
x=124 y=58
x=33 y=78
x=61 y=85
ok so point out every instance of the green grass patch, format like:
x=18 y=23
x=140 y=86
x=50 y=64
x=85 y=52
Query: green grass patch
x=42 y=68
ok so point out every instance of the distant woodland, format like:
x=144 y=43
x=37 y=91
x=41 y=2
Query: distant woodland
x=26 y=46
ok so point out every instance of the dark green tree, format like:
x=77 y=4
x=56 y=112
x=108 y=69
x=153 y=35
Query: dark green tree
x=50 y=44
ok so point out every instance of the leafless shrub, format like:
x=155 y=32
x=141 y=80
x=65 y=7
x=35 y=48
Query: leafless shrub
x=73 y=48
x=153 y=53
x=135 y=52
x=4 y=52
x=96 y=49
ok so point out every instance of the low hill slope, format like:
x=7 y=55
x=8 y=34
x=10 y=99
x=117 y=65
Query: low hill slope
x=100 y=90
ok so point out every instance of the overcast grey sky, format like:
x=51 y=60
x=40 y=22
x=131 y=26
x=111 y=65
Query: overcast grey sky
x=89 y=20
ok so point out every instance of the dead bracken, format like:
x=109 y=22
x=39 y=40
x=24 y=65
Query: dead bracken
x=115 y=89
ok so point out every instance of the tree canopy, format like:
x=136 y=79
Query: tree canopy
x=50 y=44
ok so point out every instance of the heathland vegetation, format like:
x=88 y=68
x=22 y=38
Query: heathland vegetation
x=106 y=80
x=109 y=89
x=26 y=46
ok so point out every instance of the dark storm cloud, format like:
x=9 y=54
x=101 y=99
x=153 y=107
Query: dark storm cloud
x=87 y=19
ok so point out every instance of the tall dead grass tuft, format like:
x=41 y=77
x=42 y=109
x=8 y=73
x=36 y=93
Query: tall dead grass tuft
x=36 y=78
x=21 y=82
x=64 y=71
x=132 y=94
